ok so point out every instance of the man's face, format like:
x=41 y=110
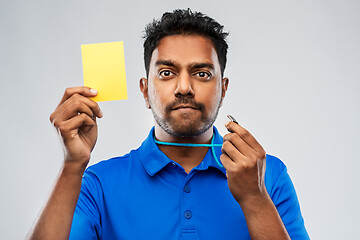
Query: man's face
x=184 y=87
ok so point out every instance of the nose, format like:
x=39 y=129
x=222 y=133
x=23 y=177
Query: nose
x=184 y=86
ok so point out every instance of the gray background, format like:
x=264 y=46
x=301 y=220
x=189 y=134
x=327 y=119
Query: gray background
x=294 y=70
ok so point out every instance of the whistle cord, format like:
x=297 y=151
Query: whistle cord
x=211 y=145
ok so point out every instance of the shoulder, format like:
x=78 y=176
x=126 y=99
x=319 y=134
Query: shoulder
x=114 y=166
x=282 y=192
x=275 y=169
x=274 y=165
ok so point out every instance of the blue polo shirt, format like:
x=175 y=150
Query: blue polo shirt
x=146 y=195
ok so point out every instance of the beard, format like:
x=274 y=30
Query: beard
x=186 y=125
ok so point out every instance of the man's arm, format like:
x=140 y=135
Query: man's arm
x=75 y=121
x=245 y=162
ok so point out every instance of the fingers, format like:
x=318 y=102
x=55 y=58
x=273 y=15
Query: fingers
x=84 y=91
x=69 y=110
x=227 y=162
x=81 y=120
x=235 y=146
x=74 y=105
x=240 y=146
x=245 y=136
x=82 y=103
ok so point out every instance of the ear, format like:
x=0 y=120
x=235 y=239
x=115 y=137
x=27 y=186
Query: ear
x=224 y=87
x=144 y=90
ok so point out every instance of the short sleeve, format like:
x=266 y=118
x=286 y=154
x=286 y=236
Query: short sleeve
x=86 y=220
x=285 y=199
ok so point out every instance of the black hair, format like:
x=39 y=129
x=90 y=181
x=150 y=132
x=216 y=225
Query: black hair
x=184 y=21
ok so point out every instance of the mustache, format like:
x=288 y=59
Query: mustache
x=185 y=101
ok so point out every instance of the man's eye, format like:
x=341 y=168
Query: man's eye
x=203 y=75
x=165 y=74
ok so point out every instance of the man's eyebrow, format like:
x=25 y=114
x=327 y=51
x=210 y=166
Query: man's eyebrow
x=165 y=62
x=202 y=65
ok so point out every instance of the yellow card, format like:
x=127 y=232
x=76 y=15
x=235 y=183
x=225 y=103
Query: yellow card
x=104 y=70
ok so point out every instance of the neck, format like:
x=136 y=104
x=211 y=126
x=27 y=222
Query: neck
x=187 y=157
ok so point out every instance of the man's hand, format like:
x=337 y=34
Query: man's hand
x=75 y=120
x=245 y=161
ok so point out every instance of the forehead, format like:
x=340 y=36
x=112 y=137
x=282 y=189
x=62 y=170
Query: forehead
x=185 y=49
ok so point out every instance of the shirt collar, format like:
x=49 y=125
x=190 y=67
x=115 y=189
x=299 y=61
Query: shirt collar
x=155 y=160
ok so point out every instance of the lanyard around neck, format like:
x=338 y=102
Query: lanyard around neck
x=211 y=145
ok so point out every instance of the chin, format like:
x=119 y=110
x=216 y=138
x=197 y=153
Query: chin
x=184 y=124
x=189 y=130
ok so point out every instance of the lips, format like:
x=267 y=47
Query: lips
x=185 y=103
x=184 y=106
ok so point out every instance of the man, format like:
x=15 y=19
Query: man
x=162 y=191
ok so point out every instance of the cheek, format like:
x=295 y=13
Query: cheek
x=211 y=96
x=157 y=97
x=152 y=95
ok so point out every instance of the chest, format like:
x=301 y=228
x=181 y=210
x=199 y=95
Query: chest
x=173 y=205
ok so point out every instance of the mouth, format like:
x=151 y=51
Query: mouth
x=184 y=106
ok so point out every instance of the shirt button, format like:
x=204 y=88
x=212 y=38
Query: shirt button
x=188 y=214
x=187 y=189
